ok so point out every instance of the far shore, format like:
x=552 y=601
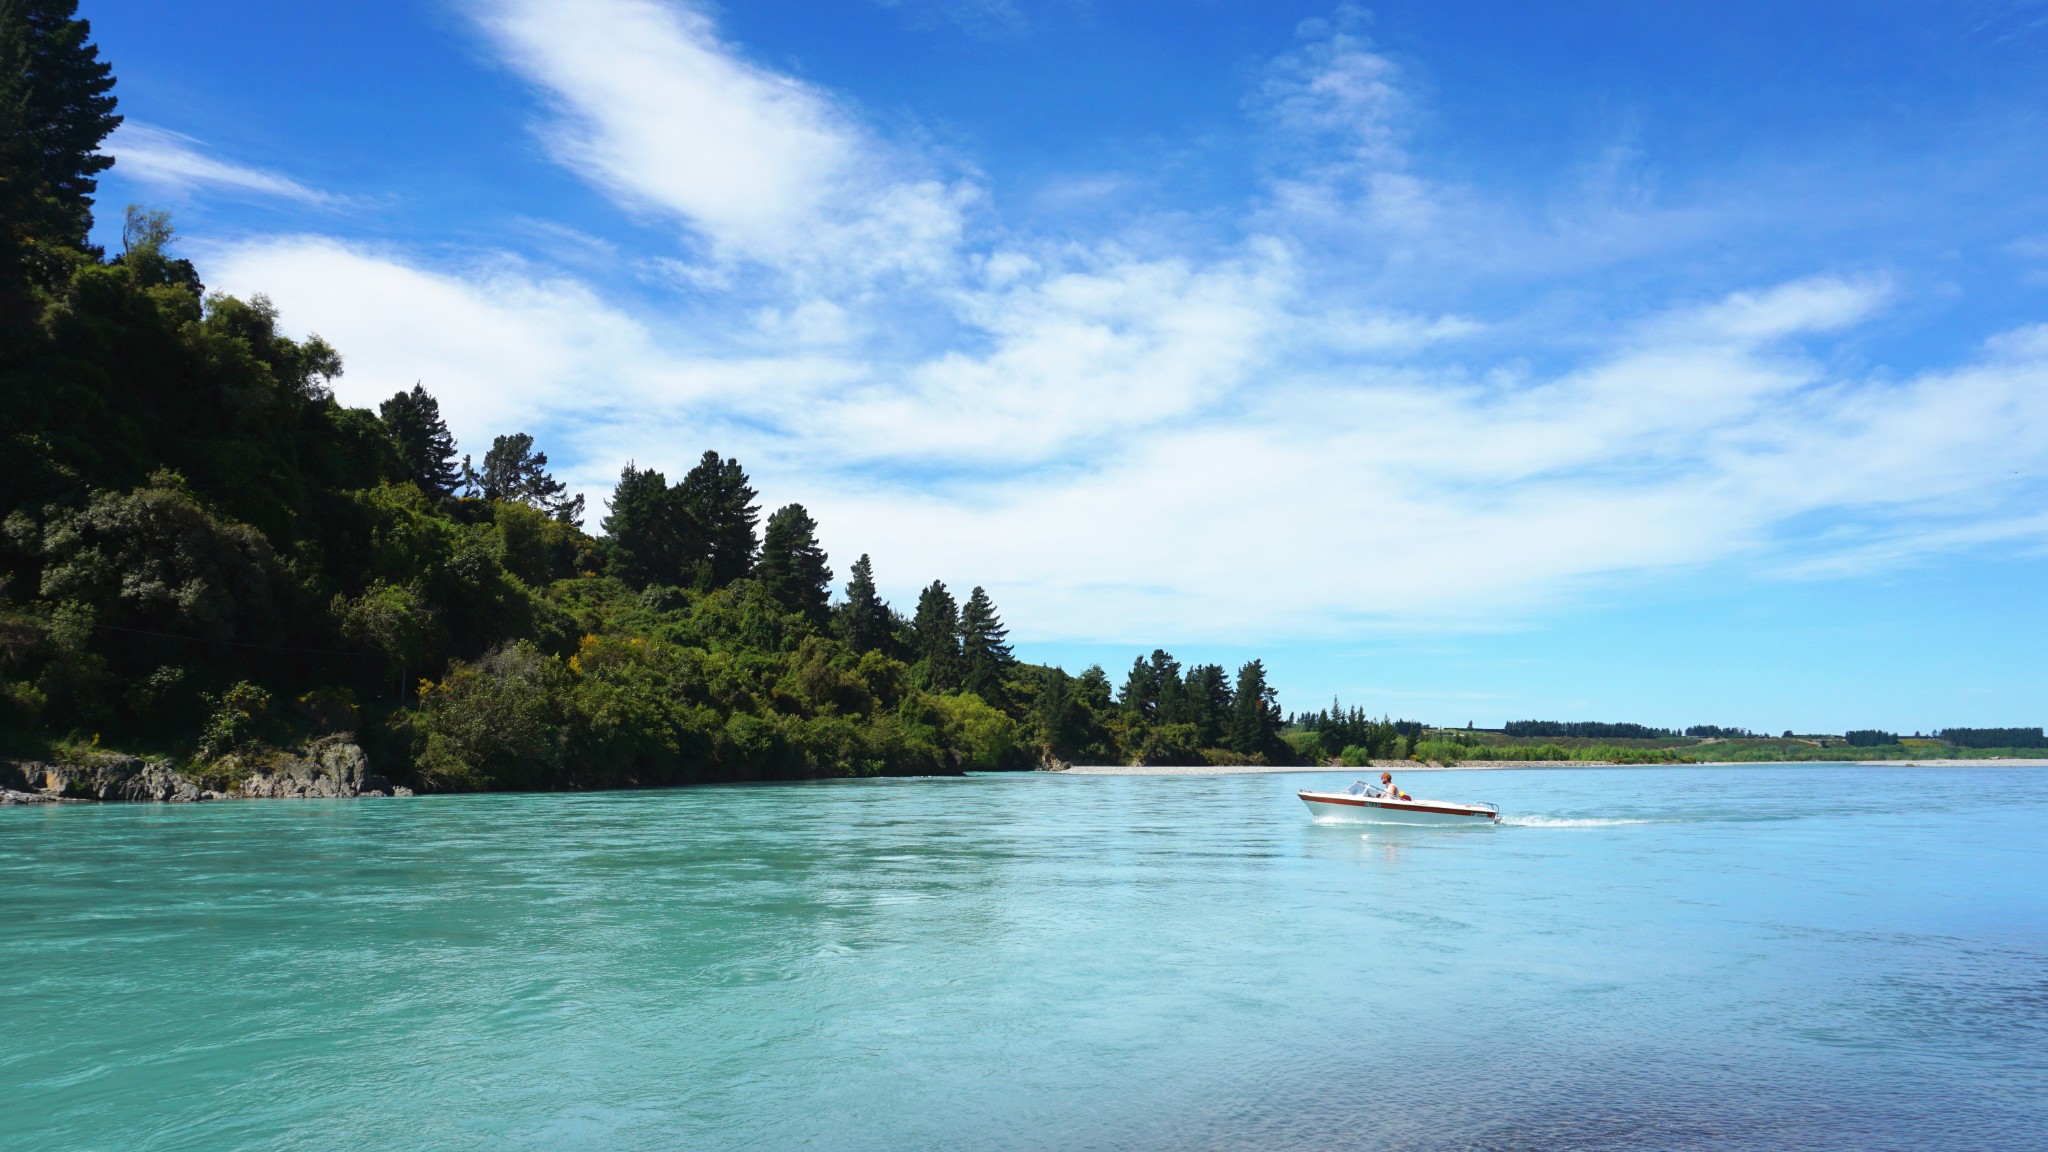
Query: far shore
x=1491 y=765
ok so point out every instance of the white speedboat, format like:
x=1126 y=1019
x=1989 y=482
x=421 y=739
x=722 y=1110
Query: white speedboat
x=1364 y=803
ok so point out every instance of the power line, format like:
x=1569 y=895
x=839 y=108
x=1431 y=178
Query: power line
x=236 y=643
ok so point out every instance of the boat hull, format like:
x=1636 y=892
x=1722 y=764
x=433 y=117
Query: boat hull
x=1344 y=808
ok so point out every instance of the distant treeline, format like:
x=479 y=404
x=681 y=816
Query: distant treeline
x=1589 y=729
x=1716 y=732
x=1994 y=737
x=1960 y=737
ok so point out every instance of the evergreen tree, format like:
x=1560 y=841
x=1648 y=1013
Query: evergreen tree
x=985 y=653
x=1255 y=712
x=1140 y=695
x=1168 y=691
x=645 y=546
x=717 y=499
x=1065 y=725
x=792 y=565
x=935 y=632
x=1091 y=688
x=514 y=471
x=414 y=421
x=56 y=107
x=864 y=618
x=1207 y=701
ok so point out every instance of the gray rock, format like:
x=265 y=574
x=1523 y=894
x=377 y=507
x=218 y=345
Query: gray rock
x=331 y=768
x=11 y=796
x=104 y=776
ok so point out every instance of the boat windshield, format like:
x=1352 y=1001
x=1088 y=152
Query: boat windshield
x=1361 y=788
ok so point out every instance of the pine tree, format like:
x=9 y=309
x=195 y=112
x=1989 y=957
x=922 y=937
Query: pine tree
x=936 y=633
x=514 y=471
x=1207 y=699
x=716 y=497
x=1065 y=725
x=1140 y=695
x=641 y=527
x=1255 y=712
x=1168 y=692
x=864 y=618
x=1091 y=688
x=424 y=444
x=56 y=107
x=985 y=653
x=792 y=565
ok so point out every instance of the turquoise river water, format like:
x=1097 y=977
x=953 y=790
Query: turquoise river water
x=1773 y=957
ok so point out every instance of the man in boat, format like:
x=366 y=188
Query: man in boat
x=1388 y=789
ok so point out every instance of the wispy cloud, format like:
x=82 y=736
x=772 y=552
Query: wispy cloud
x=1339 y=109
x=171 y=160
x=1127 y=438
x=651 y=106
x=1211 y=505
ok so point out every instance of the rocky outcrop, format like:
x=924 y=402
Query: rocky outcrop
x=105 y=776
x=333 y=767
x=10 y=796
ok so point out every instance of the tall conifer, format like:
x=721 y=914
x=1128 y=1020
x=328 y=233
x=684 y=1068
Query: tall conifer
x=985 y=654
x=792 y=565
x=1207 y=699
x=1140 y=695
x=717 y=498
x=56 y=107
x=424 y=443
x=936 y=632
x=1255 y=712
x=641 y=527
x=864 y=617
x=514 y=471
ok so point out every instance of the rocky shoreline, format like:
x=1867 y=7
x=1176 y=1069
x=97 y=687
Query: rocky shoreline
x=333 y=768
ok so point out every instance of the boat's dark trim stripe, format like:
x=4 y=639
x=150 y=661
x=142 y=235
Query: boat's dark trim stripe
x=1329 y=798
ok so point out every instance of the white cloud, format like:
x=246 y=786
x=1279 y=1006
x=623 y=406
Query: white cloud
x=655 y=109
x=1130 y=443
x=1338 y=107
x=171 y=160
x=498 y=347
x=1127 y=460
x=1819 y=304
x=1070 y=357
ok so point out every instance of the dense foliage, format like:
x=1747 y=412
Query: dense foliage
x=204 y=553
x=1353 y=736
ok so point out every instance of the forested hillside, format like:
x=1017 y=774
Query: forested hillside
x=205 y=555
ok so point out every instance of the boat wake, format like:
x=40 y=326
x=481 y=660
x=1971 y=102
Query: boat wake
x=1560 y=822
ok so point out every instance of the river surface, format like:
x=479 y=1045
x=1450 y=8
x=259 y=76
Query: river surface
x=1765 y=957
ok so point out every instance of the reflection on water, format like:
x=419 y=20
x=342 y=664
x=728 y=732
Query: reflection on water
x=1749 y=958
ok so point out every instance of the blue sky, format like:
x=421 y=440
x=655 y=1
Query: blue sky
x=1473 y=361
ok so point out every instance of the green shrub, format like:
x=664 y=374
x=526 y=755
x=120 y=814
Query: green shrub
x=983 y=739
x=494 y=724
x=1306 y=745
x=240 y=717
x=1172 y=744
